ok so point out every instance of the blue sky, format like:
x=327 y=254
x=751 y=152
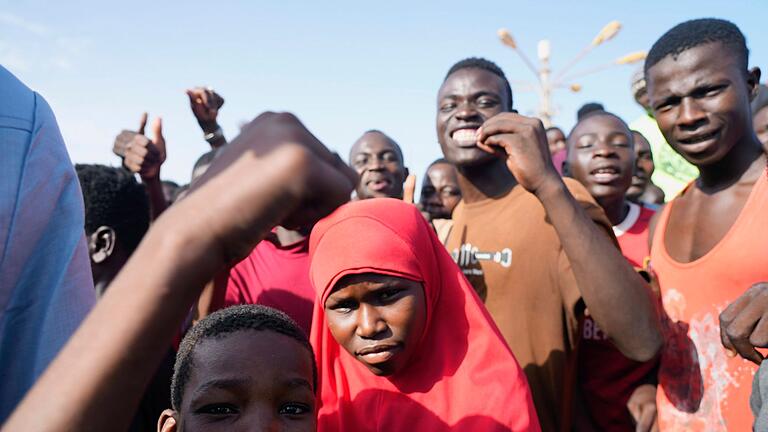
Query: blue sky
x=342 y=67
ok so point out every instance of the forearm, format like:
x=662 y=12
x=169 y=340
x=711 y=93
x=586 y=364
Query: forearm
x=157 y=202
x=96 y=381
x=607 y=282
x=209 y=129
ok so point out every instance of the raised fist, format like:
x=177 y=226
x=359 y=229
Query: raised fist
x=205 y=104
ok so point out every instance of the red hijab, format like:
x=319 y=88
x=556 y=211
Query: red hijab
x=448 y=384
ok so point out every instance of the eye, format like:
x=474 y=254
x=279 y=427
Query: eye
x=450 y=192
x=360 y=162
x=217 y=409
x=294 y=409
x=447 y=107
x=487 y=102
x=428 y=190
x=388 y=295
x=343 y=306
x=390 y=157
x=620 y=142
x=585 y=143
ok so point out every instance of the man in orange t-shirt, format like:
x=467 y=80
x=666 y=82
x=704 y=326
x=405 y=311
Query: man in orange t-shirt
x=709 y=243
x=528 y=240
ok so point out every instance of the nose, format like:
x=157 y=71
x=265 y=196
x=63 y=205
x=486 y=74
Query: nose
x=604 y=149
x=466 y=111
x=691 y=116
x=369 y=322
x=263 y=419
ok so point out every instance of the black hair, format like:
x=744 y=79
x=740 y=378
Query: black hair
x=440 y=161
x=588 y=108
x=398 y=150
x=114 y=198
x=486 y=65
x=551 y=128
x=224 y=322
x=693 y=33
x=596 y=113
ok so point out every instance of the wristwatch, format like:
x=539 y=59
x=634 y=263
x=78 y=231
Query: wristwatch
x=214 y=136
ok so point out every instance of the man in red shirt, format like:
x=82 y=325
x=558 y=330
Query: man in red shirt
x=601 y=157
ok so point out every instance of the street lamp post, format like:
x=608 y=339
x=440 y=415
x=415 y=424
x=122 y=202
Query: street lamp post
x=546 y=85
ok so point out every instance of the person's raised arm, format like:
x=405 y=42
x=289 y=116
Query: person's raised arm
x=205 y=104
x=98 y=378
x=617 y=297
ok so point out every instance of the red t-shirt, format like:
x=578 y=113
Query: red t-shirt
x=275 y=276
x=607 y=378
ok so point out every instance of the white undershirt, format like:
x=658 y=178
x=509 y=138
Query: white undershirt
x=632 y=216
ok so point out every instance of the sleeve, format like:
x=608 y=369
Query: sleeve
x=46 y=287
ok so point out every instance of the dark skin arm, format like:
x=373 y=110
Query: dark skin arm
x=205 y=104
x=617 y=297
x=105 y=366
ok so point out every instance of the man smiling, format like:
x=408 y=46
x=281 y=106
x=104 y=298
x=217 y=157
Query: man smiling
x=528 y=240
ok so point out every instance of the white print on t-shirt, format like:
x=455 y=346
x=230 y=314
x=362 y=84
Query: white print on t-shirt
x=467 y=255
x=592 y=331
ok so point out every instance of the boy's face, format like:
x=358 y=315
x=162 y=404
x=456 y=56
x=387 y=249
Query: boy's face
x=440 y=192
x=555 y=140
x=379 y=165
x=467 y=98
x=644 y=166
x=248 y=380
x=700 y=100
x=601 y=156
x=760 y=123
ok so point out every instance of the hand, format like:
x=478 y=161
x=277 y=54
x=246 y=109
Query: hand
x=205 y=104
x=409 y=188
x=126 y=136
x=298 y=175
x=523 y=142
x=743 y=324
x=642 y=406
x=141 y=155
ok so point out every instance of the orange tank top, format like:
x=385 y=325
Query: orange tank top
x=700 y=388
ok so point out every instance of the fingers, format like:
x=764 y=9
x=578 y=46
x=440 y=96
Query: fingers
x=409 y=188
x=157 y=135
x=142 y=123
x=741 y=324
x=646 y=418
x=508 y=123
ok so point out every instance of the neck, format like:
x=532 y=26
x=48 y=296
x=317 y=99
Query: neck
x=287 y=237
x=485 y=181
x=615 y=208
x=744 y=157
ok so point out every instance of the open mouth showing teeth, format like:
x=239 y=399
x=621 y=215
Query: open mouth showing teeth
x=606 y=170
x=699 y=138
x=464 y=135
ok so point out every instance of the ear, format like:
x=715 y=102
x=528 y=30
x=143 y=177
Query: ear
x=406 y=173
x=753 y=81
x=167 y=421
x=101 y=244
x=566 y=169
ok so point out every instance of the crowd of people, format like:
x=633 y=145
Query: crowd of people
x=614 y=278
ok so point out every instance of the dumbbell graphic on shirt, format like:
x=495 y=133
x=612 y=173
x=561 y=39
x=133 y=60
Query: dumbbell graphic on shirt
x=467 y=255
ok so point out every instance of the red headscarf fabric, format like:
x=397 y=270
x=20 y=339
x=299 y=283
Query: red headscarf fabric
x=463 y=378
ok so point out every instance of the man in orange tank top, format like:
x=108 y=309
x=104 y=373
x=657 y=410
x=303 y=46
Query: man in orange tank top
x=708 y=245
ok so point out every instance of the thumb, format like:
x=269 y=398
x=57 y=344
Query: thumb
x=409 y=189
x=157 y=134
x=142 y=123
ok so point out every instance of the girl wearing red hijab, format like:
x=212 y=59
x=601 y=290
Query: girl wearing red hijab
x=401 y=339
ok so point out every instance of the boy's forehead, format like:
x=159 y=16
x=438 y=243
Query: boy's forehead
x=469 y=80
x=601 y=122
x=692 y=67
